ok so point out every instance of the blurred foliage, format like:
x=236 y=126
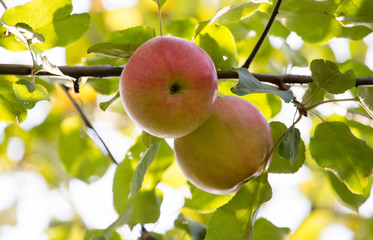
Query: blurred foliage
x=54 y=142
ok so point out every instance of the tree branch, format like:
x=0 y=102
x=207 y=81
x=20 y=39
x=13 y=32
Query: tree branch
x=264 y=35
x=110 y=71
x=3 y=3
x=91 y=131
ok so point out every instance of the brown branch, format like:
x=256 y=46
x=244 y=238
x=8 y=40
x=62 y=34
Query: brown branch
x=72 y=71
x=3 y=3
x=110 y=71
x=263 y=36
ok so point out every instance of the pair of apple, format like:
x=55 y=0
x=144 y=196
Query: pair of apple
x=169 y=88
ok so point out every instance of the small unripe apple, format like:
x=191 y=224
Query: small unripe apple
x=168 y=86
x=229 y=148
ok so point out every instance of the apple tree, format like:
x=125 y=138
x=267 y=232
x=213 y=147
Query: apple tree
x=305 y=64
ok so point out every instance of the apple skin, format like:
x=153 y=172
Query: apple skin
x=226 y=150
x=168 y=86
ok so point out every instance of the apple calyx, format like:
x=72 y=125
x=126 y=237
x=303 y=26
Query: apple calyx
x=175 y=88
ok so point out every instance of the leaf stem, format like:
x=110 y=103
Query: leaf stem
x=93 y=133
x=160 y=18
x=263 y=36
x=249 y=225
x=318 y=115
x=330 y=101
x=121 y=220
x=33 y=71
x=367 y=110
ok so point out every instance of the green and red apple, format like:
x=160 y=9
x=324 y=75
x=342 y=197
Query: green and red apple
x=168 y=86
x=229 y=148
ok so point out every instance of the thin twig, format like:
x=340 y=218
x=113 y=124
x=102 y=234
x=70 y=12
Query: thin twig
x=89 y=125
x=263 y=36
x=145 y=235
x=102 y=71
x=3 y=3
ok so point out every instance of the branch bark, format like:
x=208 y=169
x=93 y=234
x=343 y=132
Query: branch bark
x=102 y=71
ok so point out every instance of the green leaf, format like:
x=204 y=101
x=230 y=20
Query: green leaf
x=160 y=3
x=122 y=219
x=204 y=201
x=105 y=86
x=274 y=104
x=125 y=172
x=145 y=207
x=289 y=145
x=11 y=109
x=78 y=154
x=313 y=95
x=235 y=219
x=48 y=67
x=163 y=160
x=294 y=57
x=24 y=33
x=360 y=69
x=366 y=99
x=50 y=20
x=29 y=93
x=72 y=27
x=113 y=49
x=106 y=104
x=134 y=35
x=327 y=77
x=335 y=148
x=183 y=28
x=355 y=13
x=279 y=163
x=122 y=182
x=142 y=167
x=149 y=139
x=354 y=32
x=265 y=230
x=219 y=44
x=231 y=13
x=196 y=230
x=249 y=84
x=350 y=199
x=315 y=21
x=124 y=42
x=364 y=131
x=98 y=234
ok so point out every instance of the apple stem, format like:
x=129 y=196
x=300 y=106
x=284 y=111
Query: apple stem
x=160 y=20
x=263 y=36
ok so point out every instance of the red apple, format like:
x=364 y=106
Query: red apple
x=168 y=86
x=226 y=150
